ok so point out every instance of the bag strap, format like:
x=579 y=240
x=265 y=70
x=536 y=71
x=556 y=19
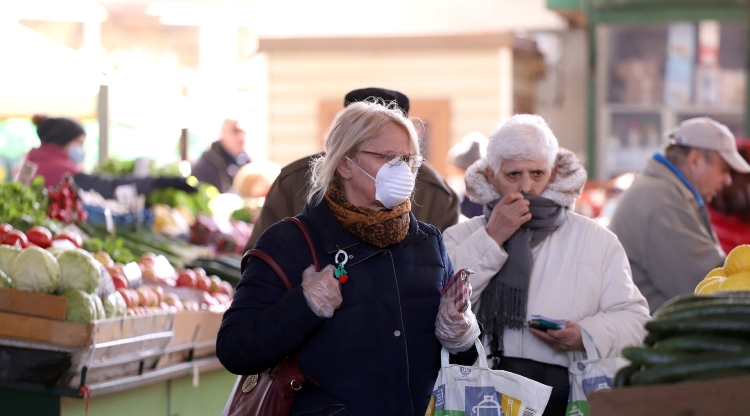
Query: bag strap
x=274 y=265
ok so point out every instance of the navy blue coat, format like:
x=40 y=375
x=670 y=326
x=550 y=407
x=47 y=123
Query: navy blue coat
x=378 y=354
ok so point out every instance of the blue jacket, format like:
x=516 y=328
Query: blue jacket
x=378 y=354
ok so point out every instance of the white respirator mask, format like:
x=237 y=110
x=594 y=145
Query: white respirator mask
x=393 y=184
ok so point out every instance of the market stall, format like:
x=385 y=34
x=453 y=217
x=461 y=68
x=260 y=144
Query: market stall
x=113 y=306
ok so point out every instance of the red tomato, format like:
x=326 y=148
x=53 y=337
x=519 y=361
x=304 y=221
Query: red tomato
x=4 y=230
x=40 y=236
x=119 y=281
x=70 y=236
x=15 y=237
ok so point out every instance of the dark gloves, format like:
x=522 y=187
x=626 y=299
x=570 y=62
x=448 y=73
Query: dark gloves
x=175 y=182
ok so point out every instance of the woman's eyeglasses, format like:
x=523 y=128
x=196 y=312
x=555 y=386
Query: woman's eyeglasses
x=395 y=159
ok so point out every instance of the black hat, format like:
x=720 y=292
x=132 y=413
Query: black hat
x=60 y=131
x=387 y=95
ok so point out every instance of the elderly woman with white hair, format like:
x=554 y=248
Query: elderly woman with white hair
x=533 y=255
x=371 y=343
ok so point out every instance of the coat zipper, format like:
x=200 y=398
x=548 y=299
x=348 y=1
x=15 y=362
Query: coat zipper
x=403 y=327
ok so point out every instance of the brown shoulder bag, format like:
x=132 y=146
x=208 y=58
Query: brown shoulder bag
x=272 y=391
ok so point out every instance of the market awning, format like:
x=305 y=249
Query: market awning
x=39 y=74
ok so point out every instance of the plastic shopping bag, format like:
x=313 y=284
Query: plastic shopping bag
x=589 y=375
x=480 y=391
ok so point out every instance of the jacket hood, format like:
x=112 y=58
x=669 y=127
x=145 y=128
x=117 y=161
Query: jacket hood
x=564 y=190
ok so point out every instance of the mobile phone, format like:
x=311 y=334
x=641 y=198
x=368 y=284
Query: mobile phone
x=542 y=324
x=458 y=289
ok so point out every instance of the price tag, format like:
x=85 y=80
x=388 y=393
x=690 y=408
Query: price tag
x=109 y=222
x=27 y=173
x=142 y=167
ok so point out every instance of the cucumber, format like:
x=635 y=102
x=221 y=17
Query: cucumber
x=731 y=325
x=702 y=343
x=707 y=308
x=650 y=357
x=713 y=375
x=650 y=339
x=693 y=367
x=622 y=378
x=690 y=298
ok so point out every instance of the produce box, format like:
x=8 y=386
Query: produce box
x=34 y=304
x=194 y=336
x=716 y=397
x=101 y=350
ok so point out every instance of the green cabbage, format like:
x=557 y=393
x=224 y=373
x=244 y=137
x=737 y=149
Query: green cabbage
x=56 y=251
x=100 y=314
x=78 y=270
x=81 y=306
x=8 y=255
x=114 y=305
x=35 y=270
x=5 y=281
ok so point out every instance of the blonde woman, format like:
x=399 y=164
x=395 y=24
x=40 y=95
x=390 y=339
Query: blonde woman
x=372 y=343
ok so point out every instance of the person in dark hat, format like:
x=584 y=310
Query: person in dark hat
x=434 y=201
x=463 y=154
x=61 y=153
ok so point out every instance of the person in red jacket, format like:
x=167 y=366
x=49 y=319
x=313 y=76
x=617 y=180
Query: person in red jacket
x=730 y=210
x=61 y=153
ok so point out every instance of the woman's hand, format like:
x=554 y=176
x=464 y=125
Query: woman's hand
x=322 y=290
x=509 y=214
x=568 y=339
x=456 y=330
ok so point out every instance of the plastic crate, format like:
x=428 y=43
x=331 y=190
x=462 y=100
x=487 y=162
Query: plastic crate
x=96 y=215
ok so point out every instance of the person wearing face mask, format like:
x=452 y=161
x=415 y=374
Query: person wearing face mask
x=661 y=219
x=61 y=153
x=434 y=202
x=371 y=342
x=532 y=255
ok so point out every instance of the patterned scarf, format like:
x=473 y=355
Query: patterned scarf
x=378 y=228
x=503 y=301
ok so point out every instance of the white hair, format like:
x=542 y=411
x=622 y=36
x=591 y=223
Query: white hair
x=352 y=128
x=522 y=137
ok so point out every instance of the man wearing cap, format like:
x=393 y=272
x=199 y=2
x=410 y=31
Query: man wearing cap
x=662 y=221
x=434 y=202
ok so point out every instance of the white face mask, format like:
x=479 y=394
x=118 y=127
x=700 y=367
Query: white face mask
x=393 y=184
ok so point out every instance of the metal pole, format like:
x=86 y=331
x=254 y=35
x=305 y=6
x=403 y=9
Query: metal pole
x=103 y=117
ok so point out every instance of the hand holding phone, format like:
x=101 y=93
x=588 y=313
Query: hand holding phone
x=458 y=289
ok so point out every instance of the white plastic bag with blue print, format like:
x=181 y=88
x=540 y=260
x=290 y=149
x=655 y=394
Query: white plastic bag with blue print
x=479 y=391
x=589 y=375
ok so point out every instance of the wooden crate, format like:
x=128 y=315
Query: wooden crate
x=33 y=304
x=194 y=332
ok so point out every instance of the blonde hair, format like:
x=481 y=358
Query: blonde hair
x=352 y=128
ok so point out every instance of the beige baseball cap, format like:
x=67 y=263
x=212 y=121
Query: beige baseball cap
x=705 y=133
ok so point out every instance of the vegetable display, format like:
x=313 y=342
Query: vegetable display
x=22 y=206
x=81 y=306
x=65 y=204
x=692 y=338
x=35 y=270
x=78 y=270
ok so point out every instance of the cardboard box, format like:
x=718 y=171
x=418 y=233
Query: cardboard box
x=726 y=397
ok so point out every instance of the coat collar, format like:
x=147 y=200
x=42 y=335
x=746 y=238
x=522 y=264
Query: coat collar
x=656 y=169
x=334 y=237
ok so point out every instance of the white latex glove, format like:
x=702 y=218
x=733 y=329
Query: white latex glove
x=322 y=290
x=456 y=330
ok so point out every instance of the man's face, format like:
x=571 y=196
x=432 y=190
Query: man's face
x=710 y=177
x=233 y=137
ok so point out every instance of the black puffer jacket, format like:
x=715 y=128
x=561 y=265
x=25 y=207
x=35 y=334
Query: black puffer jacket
x=378 y=354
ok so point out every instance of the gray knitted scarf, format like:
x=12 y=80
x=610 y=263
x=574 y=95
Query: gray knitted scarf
x=503 y=301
